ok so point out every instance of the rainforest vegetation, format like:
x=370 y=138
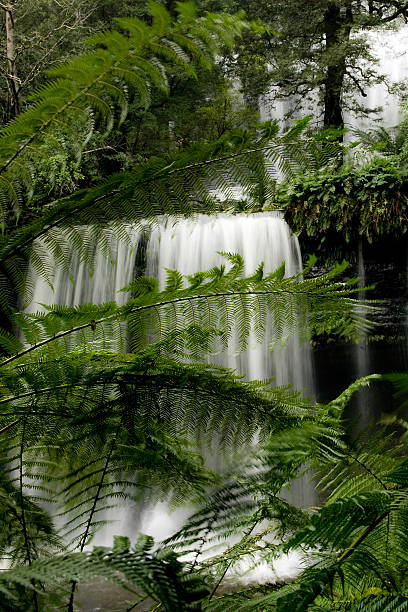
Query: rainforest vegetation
x=119 y=112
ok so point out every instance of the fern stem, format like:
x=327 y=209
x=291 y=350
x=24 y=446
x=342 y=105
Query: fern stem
x=359 y=539
x=22 y=507
x=207 y=162
x=21 y=485
x=34 y=347
x=111 y=317
x=362 y=537
x=12 y=398
x=201 y=544
x=367 y=469
x=17 y=248
x=137 y=603
x=98 y=492
x=246 y=536
x=92 y=512
x=10 y=425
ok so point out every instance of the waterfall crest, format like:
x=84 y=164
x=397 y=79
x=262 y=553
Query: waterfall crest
x=191 y=245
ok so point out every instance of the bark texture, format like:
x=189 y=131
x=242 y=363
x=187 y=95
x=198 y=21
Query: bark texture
x=12 y=76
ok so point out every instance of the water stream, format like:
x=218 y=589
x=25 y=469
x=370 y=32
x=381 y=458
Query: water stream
x=194 y=244
x=191 y=245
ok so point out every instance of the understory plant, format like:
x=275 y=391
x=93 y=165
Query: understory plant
x=368 y=202
x=103 y=405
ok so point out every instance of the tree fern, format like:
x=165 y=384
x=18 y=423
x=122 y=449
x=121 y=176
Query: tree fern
x=140 y=571
x=354 y=546
x=214 y=299
x=123 y=414
x=95 y=83
x=104 y=404
x=172 y=186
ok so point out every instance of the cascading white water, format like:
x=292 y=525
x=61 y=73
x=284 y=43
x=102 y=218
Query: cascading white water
x=362 y=353
x=190 y=245
x=390 y=48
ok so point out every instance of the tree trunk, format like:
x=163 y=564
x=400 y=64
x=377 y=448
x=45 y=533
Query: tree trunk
x=337 y=26
x=12 y=78
x=171 y=7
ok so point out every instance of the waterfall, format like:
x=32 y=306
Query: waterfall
x=110 y=273
x=390 y=49
x=362 y=354
x=195 y=244
x=190 y=245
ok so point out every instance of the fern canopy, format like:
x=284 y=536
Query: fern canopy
x=106 y=405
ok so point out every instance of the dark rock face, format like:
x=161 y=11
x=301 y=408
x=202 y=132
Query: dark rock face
x=385 y=349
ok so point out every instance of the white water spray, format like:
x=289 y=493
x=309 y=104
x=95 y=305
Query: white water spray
x=191 y=245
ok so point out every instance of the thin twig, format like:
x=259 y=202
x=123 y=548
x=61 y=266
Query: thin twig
x=92 y=512
x=246 y=536
x=22 y=507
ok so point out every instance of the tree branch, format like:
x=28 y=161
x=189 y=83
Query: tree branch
x=402 y=10
x=356 y=83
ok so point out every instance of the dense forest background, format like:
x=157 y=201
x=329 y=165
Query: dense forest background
x=117 y=113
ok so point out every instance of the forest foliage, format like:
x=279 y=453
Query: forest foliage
x=368 y=202
x=102 y=405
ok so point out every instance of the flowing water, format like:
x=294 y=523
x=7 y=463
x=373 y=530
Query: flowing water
x=191 y=245
x=195 y=244
x=361 y=352
x=109 y=275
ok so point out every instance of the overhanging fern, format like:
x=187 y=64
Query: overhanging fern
x=139 y=570
x=95 y=83
x=85 y=427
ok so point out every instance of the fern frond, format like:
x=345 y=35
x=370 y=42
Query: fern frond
x=89 y=85
x=155 y=187
x=221 y=300
x=140 y=571
x=385 y=603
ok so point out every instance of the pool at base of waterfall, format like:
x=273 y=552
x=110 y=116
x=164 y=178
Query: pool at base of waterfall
x=102 y=596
